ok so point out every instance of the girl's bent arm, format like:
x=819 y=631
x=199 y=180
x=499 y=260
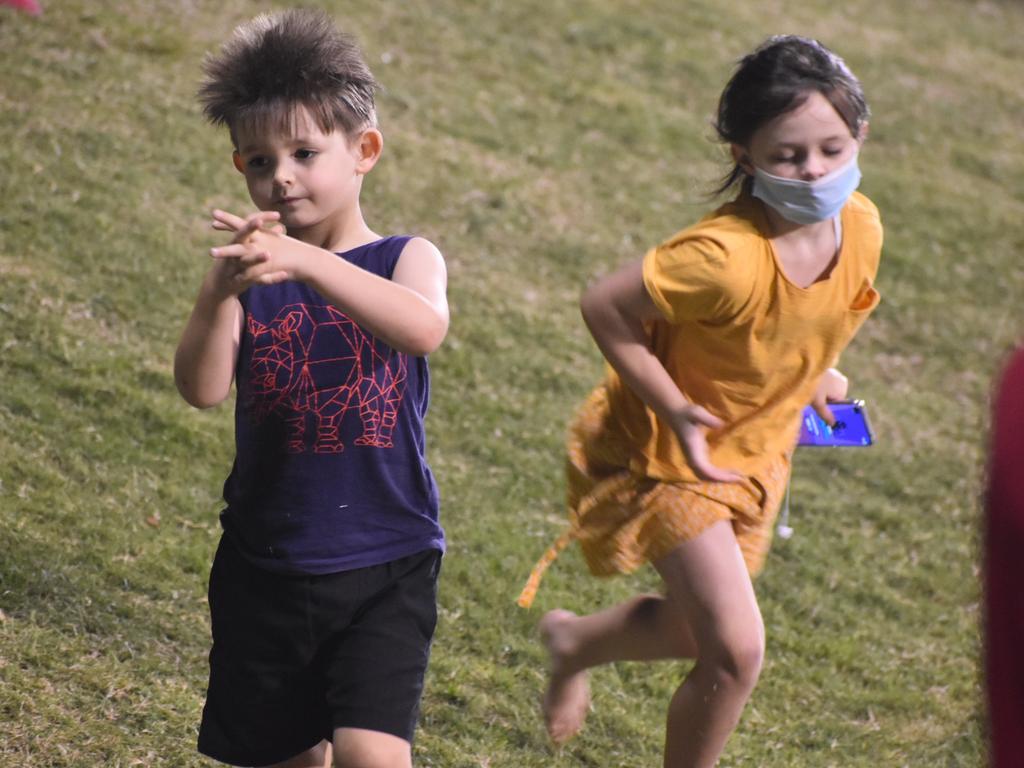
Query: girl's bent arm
x=615 y=309
x=204 y=364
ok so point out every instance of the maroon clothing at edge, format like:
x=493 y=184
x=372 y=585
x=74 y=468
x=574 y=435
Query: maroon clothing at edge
x=1004 y=573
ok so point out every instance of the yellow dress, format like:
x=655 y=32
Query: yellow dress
x=739 y=339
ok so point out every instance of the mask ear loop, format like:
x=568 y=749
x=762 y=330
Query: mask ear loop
x=783 y=530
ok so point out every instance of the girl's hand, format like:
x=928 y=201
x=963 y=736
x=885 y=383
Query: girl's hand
x=692 y=425
x=832 y=387
x=616 y=309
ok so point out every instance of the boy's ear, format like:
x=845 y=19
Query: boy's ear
x=237 y=160
x=370 y=144
x=741 y=158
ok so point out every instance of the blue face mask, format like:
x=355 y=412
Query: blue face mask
x=808 y=202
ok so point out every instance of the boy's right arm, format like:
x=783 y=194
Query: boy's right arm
x=204 y=364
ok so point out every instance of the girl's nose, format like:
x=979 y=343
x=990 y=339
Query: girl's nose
x=814 y=168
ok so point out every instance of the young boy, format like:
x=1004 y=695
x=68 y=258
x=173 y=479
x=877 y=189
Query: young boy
x=323 y=588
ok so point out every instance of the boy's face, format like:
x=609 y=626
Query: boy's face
x=310 y=177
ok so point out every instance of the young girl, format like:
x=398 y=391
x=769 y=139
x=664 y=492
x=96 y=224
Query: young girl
x=716 y=340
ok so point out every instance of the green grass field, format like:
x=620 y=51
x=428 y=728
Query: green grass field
x=538 y=144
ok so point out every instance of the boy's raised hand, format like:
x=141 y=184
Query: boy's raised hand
x=250 y=257
x=229 y=222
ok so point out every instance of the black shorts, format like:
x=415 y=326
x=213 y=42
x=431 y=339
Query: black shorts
x=295 y=657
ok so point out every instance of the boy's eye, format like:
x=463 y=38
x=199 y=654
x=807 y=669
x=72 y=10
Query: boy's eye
x=257 y=162
x=304 y=154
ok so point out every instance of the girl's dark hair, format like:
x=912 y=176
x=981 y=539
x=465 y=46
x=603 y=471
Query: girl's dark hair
x=275 y=63
x=777 y=78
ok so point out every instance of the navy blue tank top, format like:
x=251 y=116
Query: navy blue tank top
x=330 y=470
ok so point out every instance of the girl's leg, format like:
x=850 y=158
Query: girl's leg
x=644 y=628
x=709 y=582
x=710 y=605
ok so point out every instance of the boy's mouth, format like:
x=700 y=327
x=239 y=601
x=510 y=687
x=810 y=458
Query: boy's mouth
x=288 y=200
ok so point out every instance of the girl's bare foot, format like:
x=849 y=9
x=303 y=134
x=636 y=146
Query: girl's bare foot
x=567 y=698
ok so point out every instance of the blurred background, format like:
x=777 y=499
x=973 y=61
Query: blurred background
x=538 y=144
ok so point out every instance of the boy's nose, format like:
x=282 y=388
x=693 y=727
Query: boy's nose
x=283 y=174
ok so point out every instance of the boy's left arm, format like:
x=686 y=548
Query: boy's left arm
x=409 y=312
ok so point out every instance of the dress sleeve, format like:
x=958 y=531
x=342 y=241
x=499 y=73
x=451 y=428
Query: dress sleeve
x=693 y=279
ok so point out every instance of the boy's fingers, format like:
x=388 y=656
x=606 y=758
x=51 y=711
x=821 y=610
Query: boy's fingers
x=238 y=251
x=231 y=221
x=255 y=258
x=256 y=223
x=247 y=229
x=263 y=217
x=243 y=227
x=272 y=277
x=228 y=219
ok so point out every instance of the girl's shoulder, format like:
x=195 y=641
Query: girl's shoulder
x=861 y=205
x=730 y=231
x=710 y=269
x=862 y=225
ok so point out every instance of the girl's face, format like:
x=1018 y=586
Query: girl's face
x=805 y=143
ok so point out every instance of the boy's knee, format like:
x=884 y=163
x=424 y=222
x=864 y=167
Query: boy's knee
x=360 y=748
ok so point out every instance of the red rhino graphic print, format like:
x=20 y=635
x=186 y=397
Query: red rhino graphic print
x=314 y=364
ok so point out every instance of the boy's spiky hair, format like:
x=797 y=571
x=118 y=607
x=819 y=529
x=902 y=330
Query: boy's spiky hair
x=275 y=63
